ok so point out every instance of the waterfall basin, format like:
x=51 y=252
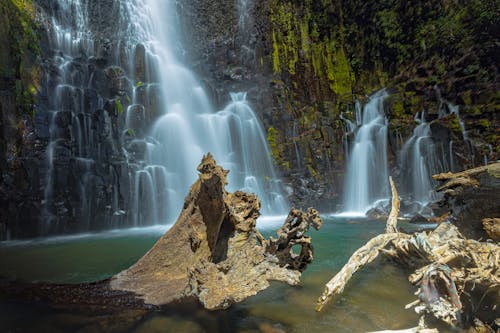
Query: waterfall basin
x=373 y=300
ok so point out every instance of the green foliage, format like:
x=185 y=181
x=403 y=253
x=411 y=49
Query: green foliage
x=273 y=144
x=484 y=123
x=119 y=106
x=276 y=147
x=18 y=56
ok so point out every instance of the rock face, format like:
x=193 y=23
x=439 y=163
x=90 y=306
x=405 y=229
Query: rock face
x=214 y=252
x=473 y=197
x=312 y=60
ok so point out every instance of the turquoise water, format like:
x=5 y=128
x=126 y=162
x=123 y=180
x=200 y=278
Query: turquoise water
x=373 y=300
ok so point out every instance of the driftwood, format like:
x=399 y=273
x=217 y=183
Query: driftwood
x=410 y=330
x=392 y=220
x=472 y=196
x=492 y=228
x=458 y=278
x=363 y=255
x=213 y=254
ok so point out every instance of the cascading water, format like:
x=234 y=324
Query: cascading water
x=419 y=160
x=68 y=120
x=189 y=127
x=126 y=123
x=367 y=170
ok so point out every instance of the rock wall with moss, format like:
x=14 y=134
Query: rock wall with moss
x=313 y=59
x=19 y=81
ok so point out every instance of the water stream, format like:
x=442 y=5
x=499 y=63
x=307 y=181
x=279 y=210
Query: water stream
x=68 y=114
x=367 y=167
x=419 y=159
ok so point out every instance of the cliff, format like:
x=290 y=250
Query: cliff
x=310 y=61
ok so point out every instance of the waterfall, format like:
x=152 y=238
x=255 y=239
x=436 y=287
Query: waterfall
x=188 y=127
x=68 y=123
x=419 y=159
x=126 y=123
x=367 y=169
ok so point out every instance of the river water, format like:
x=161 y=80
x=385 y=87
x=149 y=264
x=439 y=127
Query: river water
x=373 y=300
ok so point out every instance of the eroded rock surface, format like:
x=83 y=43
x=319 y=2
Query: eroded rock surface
x=214 y=253
x=471 y=196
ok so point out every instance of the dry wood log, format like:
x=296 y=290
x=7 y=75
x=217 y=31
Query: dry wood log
x=458 y=278
x=392 y=220
x=214 y=253
x=411 y=330
x=492 y=228
x=364 y=255
x=466 y=174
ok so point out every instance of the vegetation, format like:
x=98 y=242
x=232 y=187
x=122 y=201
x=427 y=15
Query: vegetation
x=19 y=36
x=333 y=52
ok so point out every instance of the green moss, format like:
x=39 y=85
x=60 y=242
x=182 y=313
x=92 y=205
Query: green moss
x=119 y=106
x=397 y=107
x=304 y=37
x=454 y=124
x=272 y=139
x=473 y=111
x=343 y=77
x=484 y=123
x=466 y=97
x=19 y=53
x=276 y=55
x=312 y=171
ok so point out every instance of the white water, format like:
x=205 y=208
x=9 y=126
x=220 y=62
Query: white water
x=419 y=160
x=161 y=157
x=189 y=128
x=69 y=37
x=367 y=169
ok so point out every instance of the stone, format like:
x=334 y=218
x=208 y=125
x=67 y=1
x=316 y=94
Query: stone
x=471 y=196
x=418 y=218
x=140 y=63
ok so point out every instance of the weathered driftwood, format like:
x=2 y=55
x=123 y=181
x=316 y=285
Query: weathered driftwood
x=458 y=278
x=471 y=196
x=363 y=255
x=392 y=220
x=492 y=228
x=214 y=253
x=410 y=330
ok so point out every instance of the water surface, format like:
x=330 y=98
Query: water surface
x=374 y=299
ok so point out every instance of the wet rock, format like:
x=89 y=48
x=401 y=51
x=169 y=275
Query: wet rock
x=418 y=218
x=471 y=196
x=140 y=63
x=118 y=82
x=136 y=118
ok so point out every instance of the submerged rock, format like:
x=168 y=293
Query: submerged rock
x=214 y=253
